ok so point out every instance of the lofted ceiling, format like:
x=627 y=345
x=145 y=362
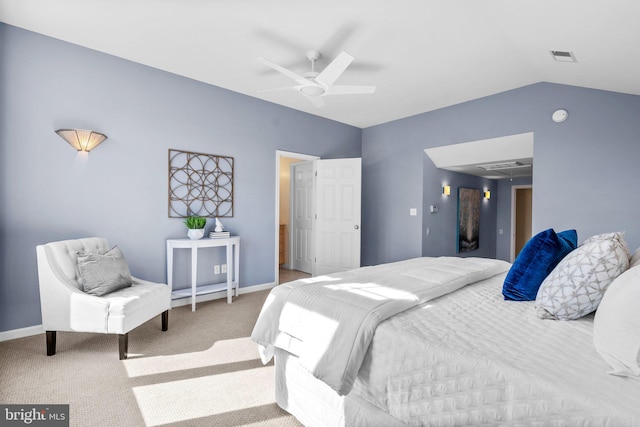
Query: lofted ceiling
x=504 y=157
x=420 y=54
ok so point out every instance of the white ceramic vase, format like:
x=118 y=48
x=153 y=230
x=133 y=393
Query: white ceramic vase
x=195 y=233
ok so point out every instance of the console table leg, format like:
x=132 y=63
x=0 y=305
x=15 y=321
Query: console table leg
x=236 y=266
x=229 y=274
x=194 y=275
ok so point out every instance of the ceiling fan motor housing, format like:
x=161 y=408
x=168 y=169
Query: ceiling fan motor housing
x=313 y=89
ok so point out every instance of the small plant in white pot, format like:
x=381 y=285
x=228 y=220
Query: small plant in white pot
x=195 y=224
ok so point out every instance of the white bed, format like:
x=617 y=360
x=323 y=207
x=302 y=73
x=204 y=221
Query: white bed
x=463 y=358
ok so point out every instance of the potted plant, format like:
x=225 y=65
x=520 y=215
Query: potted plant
x=195 y=224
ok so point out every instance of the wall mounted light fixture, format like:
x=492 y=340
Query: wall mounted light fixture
x=446 y=190
x=487 y=194
x=80 y=139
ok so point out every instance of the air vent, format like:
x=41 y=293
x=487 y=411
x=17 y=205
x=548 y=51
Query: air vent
x=503 y=166
x=563 y=56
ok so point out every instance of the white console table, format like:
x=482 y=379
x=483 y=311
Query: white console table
x=232 y=245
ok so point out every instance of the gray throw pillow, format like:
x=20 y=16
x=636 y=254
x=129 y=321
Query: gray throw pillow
x=101 y=274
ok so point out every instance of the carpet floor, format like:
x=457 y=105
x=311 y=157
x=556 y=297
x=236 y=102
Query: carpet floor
x=203 y=371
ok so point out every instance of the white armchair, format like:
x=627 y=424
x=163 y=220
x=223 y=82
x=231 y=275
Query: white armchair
x=65 y=307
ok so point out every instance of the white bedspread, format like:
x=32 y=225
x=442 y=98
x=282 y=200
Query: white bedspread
x=471 y=358
x=328 y=322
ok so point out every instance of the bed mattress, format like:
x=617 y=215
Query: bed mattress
x=471 y=358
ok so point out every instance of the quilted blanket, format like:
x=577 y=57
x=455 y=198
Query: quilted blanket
x=328 y=322
x=473 y=359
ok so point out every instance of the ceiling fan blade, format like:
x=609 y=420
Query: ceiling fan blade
x=277 y=89
x=330 y=74
x=350 y=90
x=296 y=77
x=315 y=100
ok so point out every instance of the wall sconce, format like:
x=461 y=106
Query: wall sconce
x=487 y=194
x=80 y=139
x=446 y=190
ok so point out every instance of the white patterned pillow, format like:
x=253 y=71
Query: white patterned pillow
x=618 y=235
x=576 y=286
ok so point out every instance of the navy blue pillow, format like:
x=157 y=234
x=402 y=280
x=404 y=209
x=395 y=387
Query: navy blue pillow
x=536 y=260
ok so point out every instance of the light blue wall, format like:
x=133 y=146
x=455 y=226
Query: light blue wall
x=585 y=168
x=48 y=192
x=442 y=225
x=584 y=176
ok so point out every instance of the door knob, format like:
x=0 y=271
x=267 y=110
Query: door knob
x=356 y=226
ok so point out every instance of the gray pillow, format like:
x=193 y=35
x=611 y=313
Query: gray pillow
x=101 y=274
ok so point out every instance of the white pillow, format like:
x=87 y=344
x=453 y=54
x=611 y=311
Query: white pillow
x=576 y=286
x=616 y=327
x=635 y=258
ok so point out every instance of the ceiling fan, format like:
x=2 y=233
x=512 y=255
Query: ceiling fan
x=315 y=85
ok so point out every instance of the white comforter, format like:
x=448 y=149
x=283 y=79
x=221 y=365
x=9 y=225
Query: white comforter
x=472 y=358
x=329 y=321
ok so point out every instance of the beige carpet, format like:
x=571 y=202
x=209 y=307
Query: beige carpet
x=204 y=371
x=286 y=275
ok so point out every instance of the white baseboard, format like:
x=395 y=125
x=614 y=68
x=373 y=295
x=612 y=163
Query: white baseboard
x=257 y=288
x=21 y=333
x=37 y=329
x=219 y=295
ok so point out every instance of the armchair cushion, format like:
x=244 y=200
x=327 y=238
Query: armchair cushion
x=134 y=305
x=100 y=274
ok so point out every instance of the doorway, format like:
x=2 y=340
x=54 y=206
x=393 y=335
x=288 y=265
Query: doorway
x=283 y=269
x=521 y=217
x=301 y=217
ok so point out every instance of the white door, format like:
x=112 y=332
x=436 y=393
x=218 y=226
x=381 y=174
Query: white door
x=337 y=207
x=302 y=216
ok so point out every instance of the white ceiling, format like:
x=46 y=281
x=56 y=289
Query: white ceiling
x=504 y=157
x=421 y=54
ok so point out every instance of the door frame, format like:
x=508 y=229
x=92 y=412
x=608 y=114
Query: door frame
x=276 y=228
x=514 y=189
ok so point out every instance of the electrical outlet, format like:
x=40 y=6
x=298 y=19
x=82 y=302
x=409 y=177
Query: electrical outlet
x=216 y=269
x=223 y=268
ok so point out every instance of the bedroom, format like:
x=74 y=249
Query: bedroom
x=585 y=167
